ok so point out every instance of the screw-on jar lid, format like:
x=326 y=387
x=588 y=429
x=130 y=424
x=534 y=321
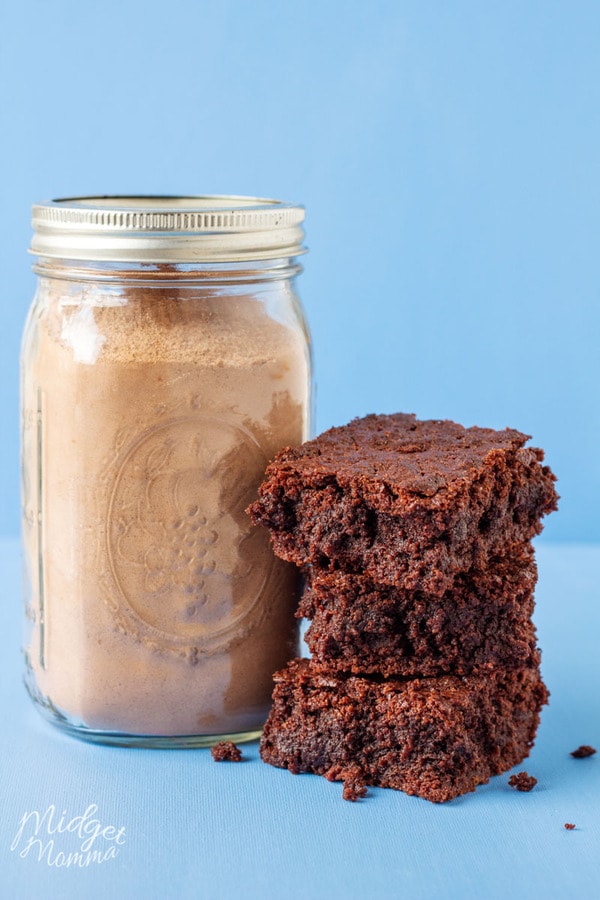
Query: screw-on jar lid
x=167 y=229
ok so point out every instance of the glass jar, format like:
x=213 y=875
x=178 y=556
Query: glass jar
x=165 y=360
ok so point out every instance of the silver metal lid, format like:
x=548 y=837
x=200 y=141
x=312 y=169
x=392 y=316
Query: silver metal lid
x=167 y=229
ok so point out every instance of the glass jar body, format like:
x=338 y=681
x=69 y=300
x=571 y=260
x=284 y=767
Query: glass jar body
x=153 y=398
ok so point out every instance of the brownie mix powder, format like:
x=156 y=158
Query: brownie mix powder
x=150 y=413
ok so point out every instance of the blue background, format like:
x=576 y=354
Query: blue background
x=447 y=154
x=195 y=830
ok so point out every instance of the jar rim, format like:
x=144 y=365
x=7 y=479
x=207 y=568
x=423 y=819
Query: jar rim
x=146 y=228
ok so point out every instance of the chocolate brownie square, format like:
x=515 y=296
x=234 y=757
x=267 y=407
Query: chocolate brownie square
x=433 y=737
x=405 y=502
x=362 y=627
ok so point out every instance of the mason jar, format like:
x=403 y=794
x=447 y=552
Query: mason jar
x=165 y=360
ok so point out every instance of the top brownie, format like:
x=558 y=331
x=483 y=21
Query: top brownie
x=407 y=502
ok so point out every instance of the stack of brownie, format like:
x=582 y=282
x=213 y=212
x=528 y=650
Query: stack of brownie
x=415 y=540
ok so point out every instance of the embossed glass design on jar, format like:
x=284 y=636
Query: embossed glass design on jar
x=165 y=360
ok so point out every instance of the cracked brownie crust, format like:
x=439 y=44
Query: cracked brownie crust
x=406 y=502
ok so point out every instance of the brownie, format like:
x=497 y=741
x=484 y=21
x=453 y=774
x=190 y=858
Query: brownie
x=362 y=627
x=522 y=782
x=352 y=777
x=226 y=751
x=405 y=502
x=583 y=752
x=433 y=737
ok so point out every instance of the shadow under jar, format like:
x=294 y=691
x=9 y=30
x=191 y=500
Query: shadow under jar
x=165 y=361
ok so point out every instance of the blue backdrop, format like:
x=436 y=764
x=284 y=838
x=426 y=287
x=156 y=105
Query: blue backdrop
x=447 y=154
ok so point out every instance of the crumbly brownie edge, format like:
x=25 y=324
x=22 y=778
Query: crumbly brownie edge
x=362 y=627
x=339 y=644
x=436 y=738
x=506 y=581
x=332 y=523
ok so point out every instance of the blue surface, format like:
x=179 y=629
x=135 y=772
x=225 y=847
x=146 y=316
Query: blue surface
x=195 y=829
x=447 y=154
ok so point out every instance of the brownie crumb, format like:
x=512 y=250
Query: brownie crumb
x=522 y=781
x=352 y=776
x=569 y=826
x=226 y=751
x=583 y=751
x=354 y=790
